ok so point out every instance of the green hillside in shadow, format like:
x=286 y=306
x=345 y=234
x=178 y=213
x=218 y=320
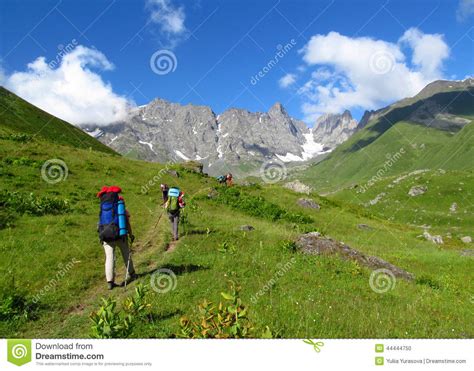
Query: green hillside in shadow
x=17 y=116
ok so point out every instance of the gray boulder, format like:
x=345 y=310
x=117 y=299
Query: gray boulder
x=417 y=190
x=466 y=239
x=246 y=228
x=308 y=203
x=315 y=244
x=437 y=239
x=298 y=187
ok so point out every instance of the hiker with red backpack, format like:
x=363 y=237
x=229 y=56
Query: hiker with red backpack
x=228 y=180
x=173 y=205
x=114 y=231
x=164 y=191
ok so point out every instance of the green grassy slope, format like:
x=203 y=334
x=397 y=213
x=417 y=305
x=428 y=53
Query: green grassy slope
x=431 y=210
x=366 y=152
x=317 y=297
x=19 y=116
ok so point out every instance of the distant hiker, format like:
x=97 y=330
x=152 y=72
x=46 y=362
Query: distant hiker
x=228 y=180
x=173 y=206
x=114 y=230
x=222 y=179
x=164 y=190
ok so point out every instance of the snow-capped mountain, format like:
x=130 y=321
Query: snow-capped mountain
x=163 y=131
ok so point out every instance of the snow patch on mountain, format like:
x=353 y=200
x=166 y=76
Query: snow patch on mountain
x=310 y=148
x=145 y=143
x=180 y=154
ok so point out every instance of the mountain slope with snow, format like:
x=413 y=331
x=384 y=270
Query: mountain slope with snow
x=236 y=140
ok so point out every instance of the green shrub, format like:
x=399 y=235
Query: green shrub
x=22 y=138
x=110 y=323
x=257 y=206
x=28 y=203
x=428 y=281
x=6 y=219
x=289 y=246
x=22 y=161
x=226 y=320
x=137 y=305
x=16 y=307
x=226 y=247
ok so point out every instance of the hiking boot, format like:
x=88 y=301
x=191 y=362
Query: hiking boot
x=132 y=277
x=110 y=285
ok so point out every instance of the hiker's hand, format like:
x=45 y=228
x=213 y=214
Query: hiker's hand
x=132 y=238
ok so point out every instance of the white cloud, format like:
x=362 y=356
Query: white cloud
x=365 y=73
x=170 y=19
x=72 y=91
x=465 y=10
x=429 y=51
x=287 y=80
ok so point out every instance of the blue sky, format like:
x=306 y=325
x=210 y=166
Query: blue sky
x=312 y=56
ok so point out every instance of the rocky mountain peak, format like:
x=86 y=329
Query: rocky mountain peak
x=277 y=109
x=331 y=129
x=162 y=131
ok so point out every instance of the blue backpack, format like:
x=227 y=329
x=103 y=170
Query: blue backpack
x=112 y=218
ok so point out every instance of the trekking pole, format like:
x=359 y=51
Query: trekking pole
x=156 y=225
x=128 y=263
x=185 y=221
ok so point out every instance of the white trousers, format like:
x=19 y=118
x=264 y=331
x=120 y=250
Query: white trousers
x=109 y=248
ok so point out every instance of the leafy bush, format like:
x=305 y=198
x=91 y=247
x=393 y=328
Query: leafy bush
x=28 y=203
x=226 y=247
x=428 y=281
x=137 y=305
x=16 y=307
x=258 y=206
x=6 y=219
x=289 y=246
x=226 y=320
x=110 y=323
x=21 y=161
x=22 y=138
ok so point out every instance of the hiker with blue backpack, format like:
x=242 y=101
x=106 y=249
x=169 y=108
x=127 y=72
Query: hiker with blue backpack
x=173 y=205
x=114 y=231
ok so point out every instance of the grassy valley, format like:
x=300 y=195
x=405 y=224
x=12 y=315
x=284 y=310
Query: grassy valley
x=53 y=263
